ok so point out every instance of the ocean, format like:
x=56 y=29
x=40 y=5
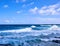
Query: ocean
x=30 y=35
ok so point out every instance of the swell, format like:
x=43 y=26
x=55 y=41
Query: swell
x=27 y=36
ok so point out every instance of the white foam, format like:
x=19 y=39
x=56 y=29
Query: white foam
x=33 y=26
x=50 y=39
x=54 y=27
x=45 y=39
x=19 y=30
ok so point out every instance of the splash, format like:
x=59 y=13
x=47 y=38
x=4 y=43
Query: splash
x=19 y=30
x=33 y=26
x=54 y=27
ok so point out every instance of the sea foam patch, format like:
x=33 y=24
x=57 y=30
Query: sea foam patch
x=18 y=30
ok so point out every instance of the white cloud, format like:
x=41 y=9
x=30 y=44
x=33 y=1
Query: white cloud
x=7 y=21
x=34 y=10
x=25 y=5
x=39 y=20
x=23 y=0
x=50 y=10
x=18 y=12
x=17 y=1
x=5 y=6
x=31 y=3
x=47 y=10
x=35 y=20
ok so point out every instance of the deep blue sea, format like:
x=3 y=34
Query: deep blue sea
x=30 y=34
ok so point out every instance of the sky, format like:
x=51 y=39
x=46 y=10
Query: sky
x=29 y=11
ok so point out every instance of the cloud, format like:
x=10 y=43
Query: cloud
x=34 y=10
x=7 y=21
x=47 y=10
x=39 y=20
x=29 y=4
x=23 y=0
x=17 y=1
x=35 y=20
x=5 y=6
x=50 y=10
x=18 y=12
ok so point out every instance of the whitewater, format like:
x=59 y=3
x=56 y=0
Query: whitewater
x=32 y=34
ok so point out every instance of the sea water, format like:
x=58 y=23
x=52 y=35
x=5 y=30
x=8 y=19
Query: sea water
x=30 y=34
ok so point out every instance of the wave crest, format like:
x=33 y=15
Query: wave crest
x=54 y=27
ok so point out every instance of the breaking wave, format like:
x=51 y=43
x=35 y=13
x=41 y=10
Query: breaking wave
x=53 y=29
x=30 y=35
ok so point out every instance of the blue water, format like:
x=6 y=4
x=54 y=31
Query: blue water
x=29 y=35
x=12 y=27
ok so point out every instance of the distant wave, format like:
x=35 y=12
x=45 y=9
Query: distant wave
x=53 y=29
x=18 y=30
